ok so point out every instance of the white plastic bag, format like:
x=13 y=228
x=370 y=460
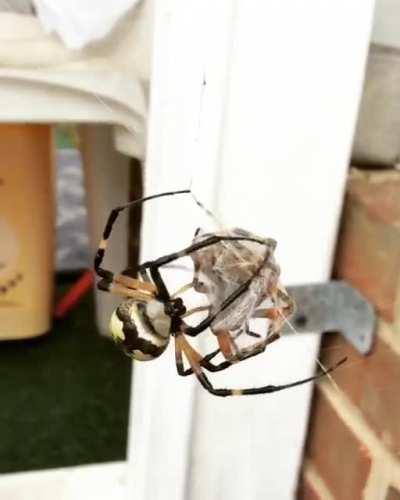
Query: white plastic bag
x=79 y=22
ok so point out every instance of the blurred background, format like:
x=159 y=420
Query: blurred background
x=74 y=95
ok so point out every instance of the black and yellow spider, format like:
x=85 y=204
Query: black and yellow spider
x=149 y=315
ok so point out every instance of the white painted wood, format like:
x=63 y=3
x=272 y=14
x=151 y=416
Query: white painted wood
x=292 y=99
x=386 y=23
x=86 y=482
x=267 y=144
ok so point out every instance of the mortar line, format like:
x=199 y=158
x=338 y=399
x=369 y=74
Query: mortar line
x=352 y=417
x=316 y=480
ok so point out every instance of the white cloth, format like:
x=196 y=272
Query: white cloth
x=79 y=22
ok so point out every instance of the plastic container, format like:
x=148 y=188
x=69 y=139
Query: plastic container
x=26 y=230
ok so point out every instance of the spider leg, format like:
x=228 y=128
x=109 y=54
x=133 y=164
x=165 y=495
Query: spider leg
x=277 y=314
x=163 y=293
x=211 y=240
x=183 y=289
x=104 y=273
x=250 y=333
x=135 y=283
x=131 y=272
x=277 y=318
x=128 y=287
x=117 y=289
x=228 y=345
x=289 y=306
x=179 y=361
x=203 y=325
x=233 y=354
x=204 y=362
x=193 y=358
x=195 y=310
x=144 y=275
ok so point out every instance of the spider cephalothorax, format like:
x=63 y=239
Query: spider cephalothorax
x=149 y=315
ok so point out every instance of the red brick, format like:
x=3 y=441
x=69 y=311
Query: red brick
x=339 y=457
x=306 y=491
x=392 y=494
x=371 y=383
x=378 y=191
x=368 y=251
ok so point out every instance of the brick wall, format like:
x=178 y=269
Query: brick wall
x=353 y=447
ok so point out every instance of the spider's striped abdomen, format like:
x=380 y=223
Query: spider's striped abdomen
x=143 y=329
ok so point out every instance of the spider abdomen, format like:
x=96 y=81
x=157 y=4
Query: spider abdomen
x=143 y=329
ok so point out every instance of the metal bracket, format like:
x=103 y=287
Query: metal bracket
x=334 y=307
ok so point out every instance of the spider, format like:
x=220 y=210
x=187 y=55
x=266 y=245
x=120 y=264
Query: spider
x=218 y=271
x=149 y=315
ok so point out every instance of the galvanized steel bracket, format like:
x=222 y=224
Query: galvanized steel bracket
x=333 y=307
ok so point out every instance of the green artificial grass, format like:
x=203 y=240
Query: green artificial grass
x=64 y=397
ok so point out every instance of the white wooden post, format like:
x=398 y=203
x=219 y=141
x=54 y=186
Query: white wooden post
x=266 y=141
